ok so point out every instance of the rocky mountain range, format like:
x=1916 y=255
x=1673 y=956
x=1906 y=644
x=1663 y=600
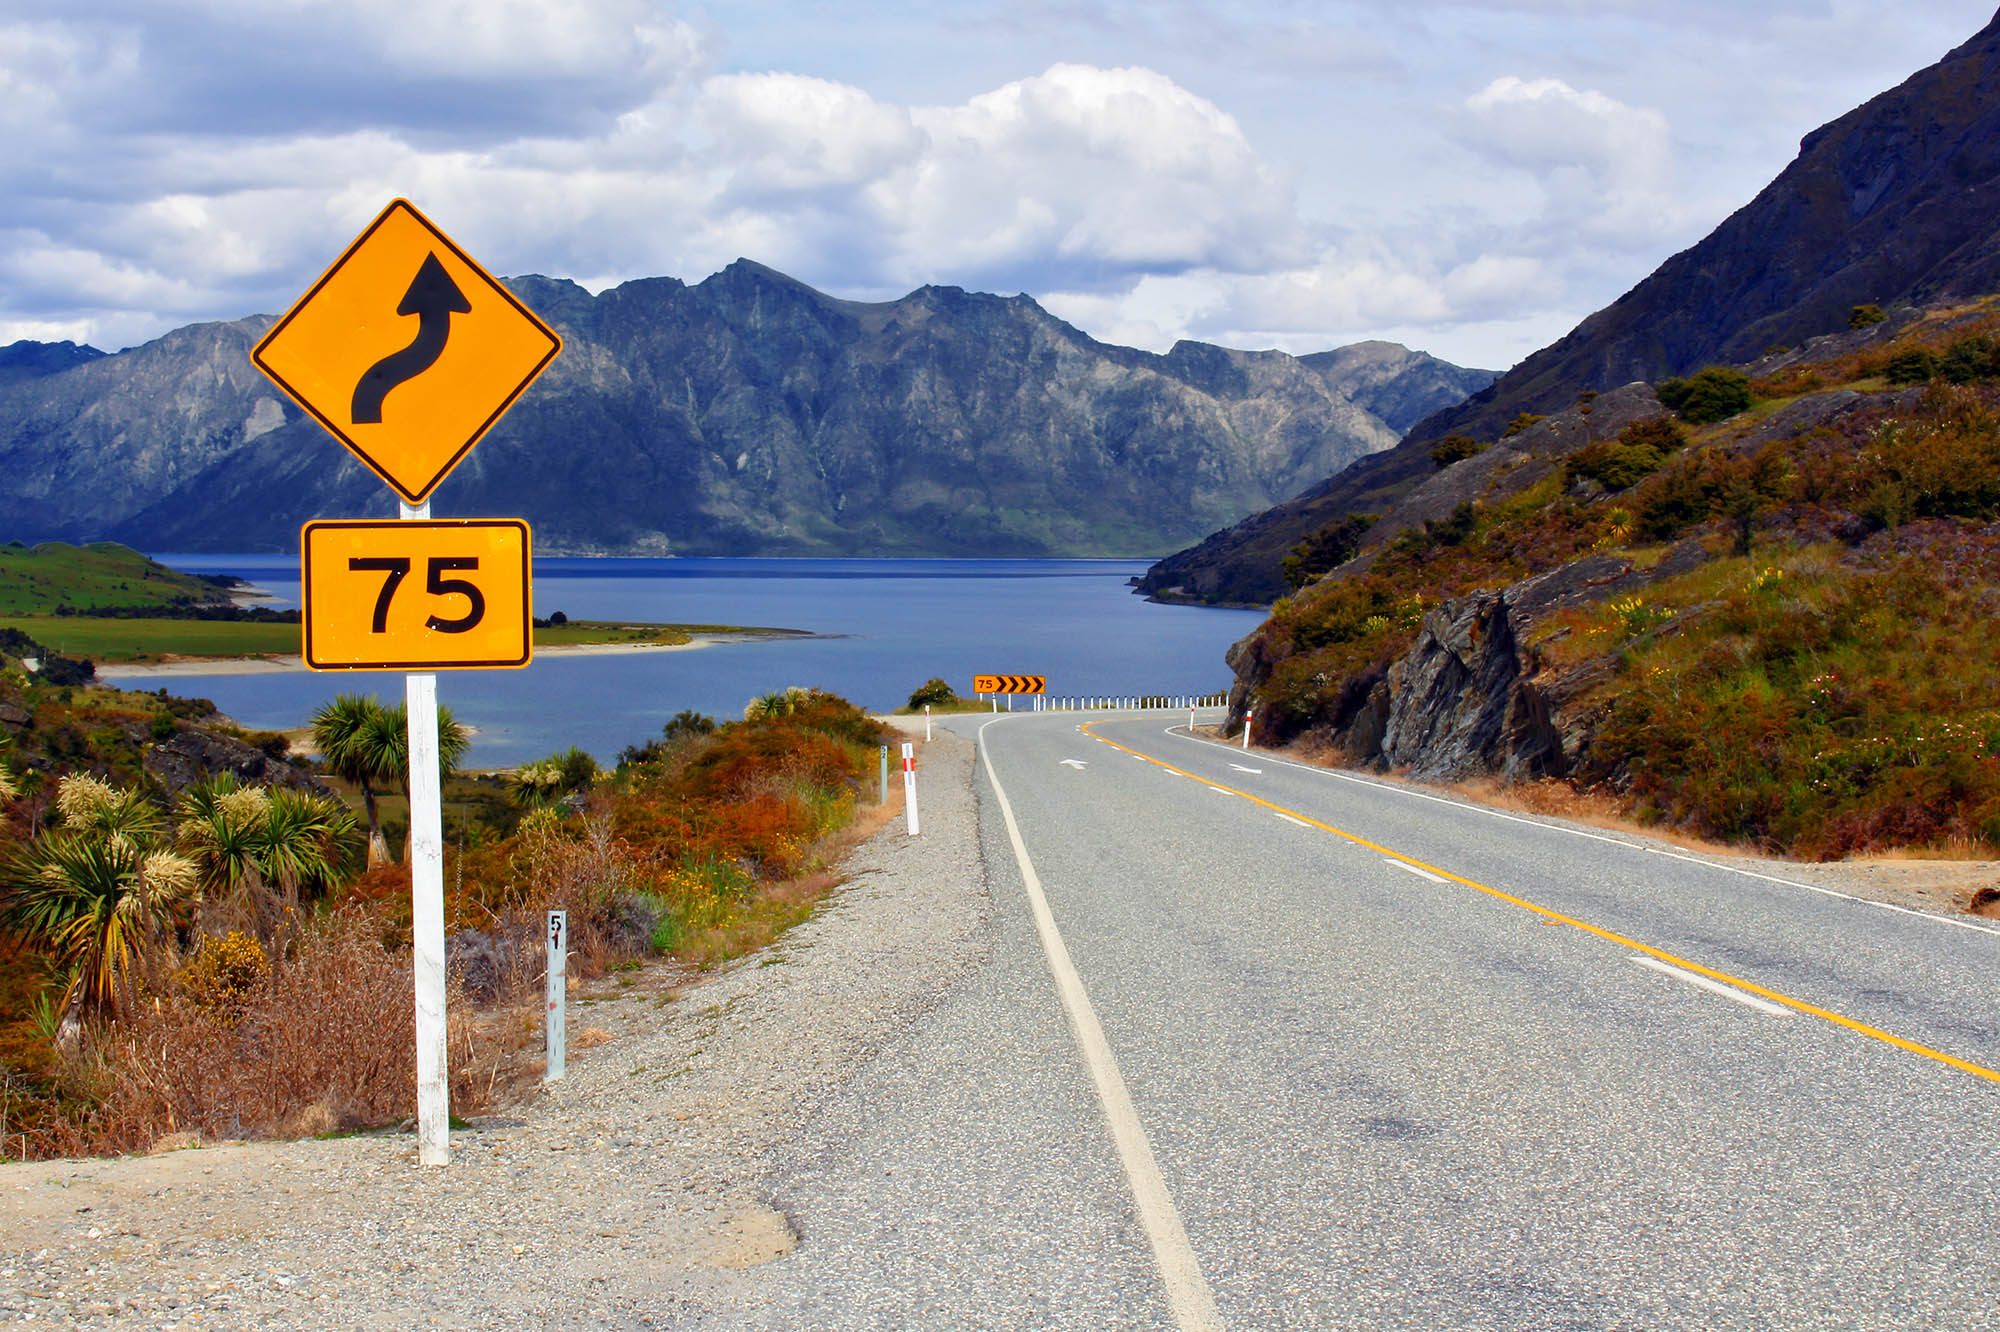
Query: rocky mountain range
x=1895 y=204
x=746 y=414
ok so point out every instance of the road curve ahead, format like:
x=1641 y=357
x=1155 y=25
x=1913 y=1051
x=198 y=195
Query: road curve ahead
x=1263 y=1046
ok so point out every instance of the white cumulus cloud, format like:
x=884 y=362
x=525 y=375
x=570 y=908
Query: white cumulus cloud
x=1602 y=166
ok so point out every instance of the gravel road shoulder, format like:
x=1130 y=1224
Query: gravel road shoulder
x=624 y=1196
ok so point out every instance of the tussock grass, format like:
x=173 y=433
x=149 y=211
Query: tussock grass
x=709 y=851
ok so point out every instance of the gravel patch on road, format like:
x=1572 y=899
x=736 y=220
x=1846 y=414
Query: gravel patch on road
x=623 y=1197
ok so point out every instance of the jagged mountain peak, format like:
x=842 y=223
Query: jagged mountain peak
x=748 y=413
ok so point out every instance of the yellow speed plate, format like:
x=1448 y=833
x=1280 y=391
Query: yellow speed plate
x=441 y=594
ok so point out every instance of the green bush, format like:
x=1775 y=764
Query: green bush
x=1707 y=396
x=686 y=725
x=1520 y=423
x=1863 y=316
x=1454 y=448
x=1456 y=529
x=1969 y=359
x=1616 y=466
x=933 y=693
x=1915 y=366
x=1328 y=548
x=1634 y=455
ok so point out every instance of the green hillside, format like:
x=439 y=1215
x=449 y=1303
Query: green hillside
x=40 y=580
x=1775 y=628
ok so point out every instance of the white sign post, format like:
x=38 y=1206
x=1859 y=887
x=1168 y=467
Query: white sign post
x=927 y=723
x=1248 y=714
x=557 y=1022
x=339 y=356
x=910 y=786
x=427 y=908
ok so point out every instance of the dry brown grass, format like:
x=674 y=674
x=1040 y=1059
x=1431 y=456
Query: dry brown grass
x=1557 y=799
x=325 y=1043
x=1550 y=798
x=328 y=1045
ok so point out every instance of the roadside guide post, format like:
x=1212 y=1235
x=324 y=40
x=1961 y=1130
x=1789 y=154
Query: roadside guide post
x=1249 y=712
x=885 y=776
x=557 y=1024
x=927 y=723
x=410 y=402
x=910 y=785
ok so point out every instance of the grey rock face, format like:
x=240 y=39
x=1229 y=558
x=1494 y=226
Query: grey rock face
x=193 y=755
x=1471 y=696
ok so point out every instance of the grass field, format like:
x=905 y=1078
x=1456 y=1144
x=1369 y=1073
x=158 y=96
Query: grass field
x=106 y=640
x=580 y=632
x=149 y=640
x=37 y=579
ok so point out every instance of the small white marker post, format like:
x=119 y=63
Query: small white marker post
x=1248 y=714
x=427 y=908
x=557 y=1022
x=885 y=776
x=910 y=786
x=927 y=723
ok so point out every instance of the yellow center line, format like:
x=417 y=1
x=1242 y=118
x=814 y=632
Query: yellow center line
x=1557 y=917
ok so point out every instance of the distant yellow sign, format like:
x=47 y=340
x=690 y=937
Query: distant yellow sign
x=406 y=350
x=1010 y=684
x=441 y=594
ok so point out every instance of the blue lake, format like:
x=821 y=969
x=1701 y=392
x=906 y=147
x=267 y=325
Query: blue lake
x=895 y=623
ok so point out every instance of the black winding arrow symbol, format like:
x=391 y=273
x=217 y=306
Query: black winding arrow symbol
x=434 y=298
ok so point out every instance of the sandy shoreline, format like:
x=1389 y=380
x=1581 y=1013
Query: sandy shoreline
x=273 y=665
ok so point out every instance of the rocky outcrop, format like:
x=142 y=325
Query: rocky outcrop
x=745 y=414
x=1472 y=696
x=193 y=754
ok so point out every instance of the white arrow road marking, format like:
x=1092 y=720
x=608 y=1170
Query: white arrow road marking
x=1412 y=869
x=1240 y=768
x=1078 y=764
x=1713 y=987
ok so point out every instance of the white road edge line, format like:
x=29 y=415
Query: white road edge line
x=1713 y=986
x=1221 y=790
x=1407 y=867
x=1187 y=1289
x=1289 y=819
x=1391 y=787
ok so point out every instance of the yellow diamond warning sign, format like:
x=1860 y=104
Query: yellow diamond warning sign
x=406 y=350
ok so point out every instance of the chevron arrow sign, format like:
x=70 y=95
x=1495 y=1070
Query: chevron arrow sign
x=1010 y=684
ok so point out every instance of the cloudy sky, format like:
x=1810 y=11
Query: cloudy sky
x=1471 y=178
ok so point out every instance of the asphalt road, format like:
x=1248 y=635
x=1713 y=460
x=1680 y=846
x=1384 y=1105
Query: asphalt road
x=1396 y=1062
